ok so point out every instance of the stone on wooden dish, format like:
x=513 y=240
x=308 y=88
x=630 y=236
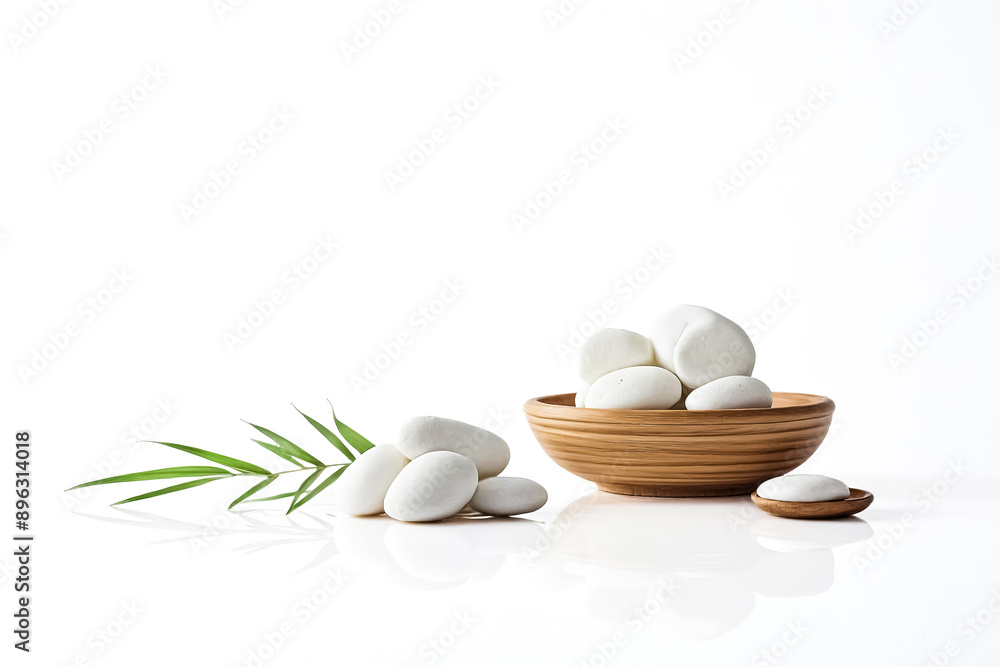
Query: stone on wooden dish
x=803 y=489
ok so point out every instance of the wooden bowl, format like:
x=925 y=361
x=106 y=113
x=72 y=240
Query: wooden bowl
x=680 y=453
x=827 y=509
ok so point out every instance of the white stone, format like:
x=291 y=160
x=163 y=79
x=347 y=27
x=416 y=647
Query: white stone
x=699 y=345
x=362 y=488
x=507 y=496
x=636 y=388
x=611 y=350
x=804 y=488
x=434 y=486
x=730 y=393
x=421 y=435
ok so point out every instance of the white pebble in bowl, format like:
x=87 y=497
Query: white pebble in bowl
x=804 y=489
x=699 y=345
x=730 y=393
x=611 y=350
x=421 y=435
x=361 y=489
x=507 y=496
x=432 y=487
x=636 y=388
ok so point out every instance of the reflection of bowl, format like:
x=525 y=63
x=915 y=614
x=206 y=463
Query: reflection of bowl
x=680 y=453
x=717 y=555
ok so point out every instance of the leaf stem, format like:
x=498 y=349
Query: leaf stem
x=285 y=472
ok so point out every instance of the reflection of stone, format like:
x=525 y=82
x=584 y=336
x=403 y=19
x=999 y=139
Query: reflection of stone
x=721 y=552
x=361 y=542
x=499 y=536
x=432 y=555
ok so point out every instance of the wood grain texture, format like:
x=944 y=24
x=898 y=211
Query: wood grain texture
x=829 y=509
x=680 y=453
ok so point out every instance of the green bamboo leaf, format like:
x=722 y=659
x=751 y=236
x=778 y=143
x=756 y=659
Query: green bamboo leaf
x=162 y=473
x=289 y=446
x=328 y=434
x=278 y=451
x=252 y=491
x=169 y=489
x=322 y=485
x=277 y=497
x=302 y=489
x=356 y=440
x=236 y=464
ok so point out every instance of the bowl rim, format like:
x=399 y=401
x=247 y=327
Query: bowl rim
x=561 y=407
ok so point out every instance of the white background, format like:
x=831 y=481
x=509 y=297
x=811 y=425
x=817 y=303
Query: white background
x=555 y=590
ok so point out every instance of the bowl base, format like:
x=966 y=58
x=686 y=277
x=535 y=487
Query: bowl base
x=658 y=491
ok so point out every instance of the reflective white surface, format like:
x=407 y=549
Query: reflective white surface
x=713 y=581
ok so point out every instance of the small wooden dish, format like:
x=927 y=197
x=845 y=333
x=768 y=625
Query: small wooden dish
x=680 y=453
x=828 y=509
